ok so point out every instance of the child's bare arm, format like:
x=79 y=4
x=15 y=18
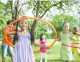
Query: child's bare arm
x=52 y=43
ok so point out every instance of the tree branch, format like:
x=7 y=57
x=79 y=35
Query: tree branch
x=49 y=8
x=21 y=7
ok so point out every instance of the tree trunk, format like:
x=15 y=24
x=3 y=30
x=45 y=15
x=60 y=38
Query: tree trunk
x=35 y=22
x=14 y=15
x=33 y=31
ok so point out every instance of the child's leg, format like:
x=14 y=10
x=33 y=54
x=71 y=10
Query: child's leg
x=5 y=50
x=43 y=57
x=11 y=52
x=70 y=55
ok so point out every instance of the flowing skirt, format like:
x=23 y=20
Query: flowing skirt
x=23 y=52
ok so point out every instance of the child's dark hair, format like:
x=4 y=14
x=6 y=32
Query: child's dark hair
x=41 y=36
x=8 y=22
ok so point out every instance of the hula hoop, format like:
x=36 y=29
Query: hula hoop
x=22 y=18
x=72 y=45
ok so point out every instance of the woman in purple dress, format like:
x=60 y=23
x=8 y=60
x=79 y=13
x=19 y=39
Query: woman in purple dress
x=23 y=50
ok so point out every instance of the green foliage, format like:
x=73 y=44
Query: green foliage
x=42 y=28
x=2 y=5
x=5 y=14
x=40 y=8
x=39 y=29
x=2 y=23
x=58 y=21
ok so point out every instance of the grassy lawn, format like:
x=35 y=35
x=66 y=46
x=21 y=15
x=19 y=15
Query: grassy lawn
x=53 y=54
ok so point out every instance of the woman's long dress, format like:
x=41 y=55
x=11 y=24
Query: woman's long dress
x=23 y=50
x=66 y=52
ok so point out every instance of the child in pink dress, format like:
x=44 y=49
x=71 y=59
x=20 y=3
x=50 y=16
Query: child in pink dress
x=43 y=48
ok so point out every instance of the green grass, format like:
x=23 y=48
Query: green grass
x=53 y=54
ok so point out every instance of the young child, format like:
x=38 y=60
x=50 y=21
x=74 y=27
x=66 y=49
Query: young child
x=23 y=51
x=43 y=47
x=8 y=40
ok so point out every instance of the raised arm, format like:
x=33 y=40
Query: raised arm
x=52 y=43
